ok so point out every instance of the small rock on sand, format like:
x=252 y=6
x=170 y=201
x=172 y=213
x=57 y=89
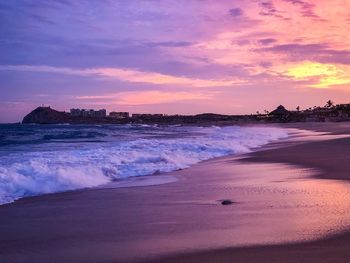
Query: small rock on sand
x=226 y=202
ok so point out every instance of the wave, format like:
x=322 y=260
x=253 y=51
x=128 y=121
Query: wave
x=48 y=171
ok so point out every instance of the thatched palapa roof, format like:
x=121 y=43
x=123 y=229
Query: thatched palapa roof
x=279 y=111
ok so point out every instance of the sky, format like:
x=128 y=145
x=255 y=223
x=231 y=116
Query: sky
x=173 y=56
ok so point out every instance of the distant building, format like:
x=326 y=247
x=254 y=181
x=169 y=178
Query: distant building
x=88 y=113
x=119 y=115
x=144 y=115
x=75 y=112
x=100 y=113
x=279 y=111
x=158 y=115
x=343 y=110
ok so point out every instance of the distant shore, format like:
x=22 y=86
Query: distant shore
x=47 y=115
x=184 y=221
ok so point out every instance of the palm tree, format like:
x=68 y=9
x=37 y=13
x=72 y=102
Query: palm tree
x=329 y=104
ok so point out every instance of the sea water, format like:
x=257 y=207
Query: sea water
x=40 y=159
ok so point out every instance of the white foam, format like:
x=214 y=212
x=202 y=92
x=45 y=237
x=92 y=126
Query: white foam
x=40 y=172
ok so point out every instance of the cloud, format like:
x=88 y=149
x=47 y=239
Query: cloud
x=169 y=44
x=267 y=41
x=307 y=9
x=235 y=12
x=297 y=48
x=268 y=9
x=320 y=75
x=133 y=98
x=127 y=75
x=41 y=19
x=317 y=52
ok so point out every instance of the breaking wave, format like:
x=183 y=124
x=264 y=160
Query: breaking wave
x=56 y=166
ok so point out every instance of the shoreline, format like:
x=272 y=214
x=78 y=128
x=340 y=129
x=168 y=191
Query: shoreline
x=172 y=176
x=108 y=175
x=92 y=210
x=329 y=248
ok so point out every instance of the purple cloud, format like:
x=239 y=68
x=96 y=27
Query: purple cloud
x=235 y=12
x=317 y=52
x=307 y=9
x=267 y=41
x=268 y=9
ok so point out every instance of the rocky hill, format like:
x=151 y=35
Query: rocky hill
x=46 y=115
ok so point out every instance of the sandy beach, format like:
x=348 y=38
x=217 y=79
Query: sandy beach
x=290 y=204
x=175 y=131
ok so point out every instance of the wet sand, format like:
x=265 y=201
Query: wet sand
x=332 y=158
x=275 y=201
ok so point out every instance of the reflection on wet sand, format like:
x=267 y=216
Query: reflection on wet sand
x=281 y=203
x=273 y=203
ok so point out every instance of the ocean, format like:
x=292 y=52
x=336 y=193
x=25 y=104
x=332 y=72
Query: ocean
x=41 y=159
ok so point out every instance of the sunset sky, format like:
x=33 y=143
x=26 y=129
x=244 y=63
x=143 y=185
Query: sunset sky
x=173 y=56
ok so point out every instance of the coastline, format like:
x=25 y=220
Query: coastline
x=83 y=224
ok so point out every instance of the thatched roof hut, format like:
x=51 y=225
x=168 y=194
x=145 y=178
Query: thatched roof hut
x=279 y=111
